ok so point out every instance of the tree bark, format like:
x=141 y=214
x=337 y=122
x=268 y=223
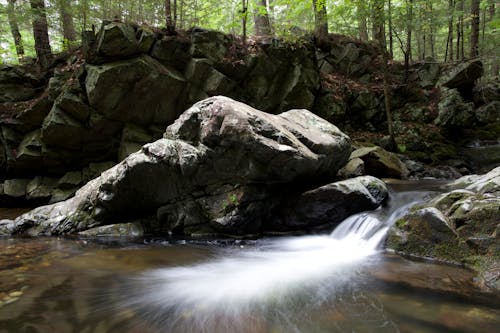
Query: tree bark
x=320 y=19
x=460 y=31
x=448 y=55
x=362 y=26
x=474 y=35
x=244 y=17
x=41 y=33
x=378 y=23
x=409 y=28
x=170 y=14
x=68 y=27
x=389 y=17
x=261 y=19
x=14 y=28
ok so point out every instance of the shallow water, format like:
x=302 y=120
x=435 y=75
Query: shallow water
x=65 y=285
x=330 y=283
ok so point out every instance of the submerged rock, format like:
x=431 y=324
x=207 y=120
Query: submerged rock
x=460 y=226
x=222 y=158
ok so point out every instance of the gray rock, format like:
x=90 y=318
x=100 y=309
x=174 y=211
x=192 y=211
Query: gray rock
x=115 y=230
x=134 y=91
x=454 y=111
x=209 y=44
x=460 y=226
x=488 y=113
x=354 y=168
x=217 y=142
x=117 y=39
x=331 y=204
x=15 y=187
x=381 y=163
x=40 y=188
x=462 y=75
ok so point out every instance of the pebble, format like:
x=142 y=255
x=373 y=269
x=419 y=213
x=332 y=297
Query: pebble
x=16 y=294
x=10 y=300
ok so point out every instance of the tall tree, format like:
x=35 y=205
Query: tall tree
x=460 y=30
x=261 y=19
x=448 y=55
x=41 y=33
x=14 y=28
x=244 y=17
x=378 y=23
x=409 y=29
x=68 y=28
x=389 y=16
x=320 y=18
x=361 y=14
x=474 y=35
x=171 y=15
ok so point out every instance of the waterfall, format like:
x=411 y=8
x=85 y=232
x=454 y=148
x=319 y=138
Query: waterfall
x=266 y=275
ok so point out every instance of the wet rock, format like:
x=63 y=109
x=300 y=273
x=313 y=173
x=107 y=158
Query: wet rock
x=354 y=168
x=459 y=226
x=331 y=204
x=115 y=230
x=381 y=163
x=218 y=142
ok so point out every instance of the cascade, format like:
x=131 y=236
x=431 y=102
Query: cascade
x=270 y=274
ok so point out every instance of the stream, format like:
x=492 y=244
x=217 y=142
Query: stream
x=342 y=282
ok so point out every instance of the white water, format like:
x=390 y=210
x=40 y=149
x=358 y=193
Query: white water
x=269 y=274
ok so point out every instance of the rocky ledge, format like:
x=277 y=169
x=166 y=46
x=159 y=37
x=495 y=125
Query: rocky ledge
x=221 y=168
x=460 y=226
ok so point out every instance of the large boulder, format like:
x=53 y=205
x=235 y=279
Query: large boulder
x=453 y=111
x=460 y=226
x=381 y=163
x=219 y=153
x=332 y=203
x=462 y=75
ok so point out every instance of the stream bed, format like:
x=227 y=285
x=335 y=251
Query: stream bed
x=343 y=282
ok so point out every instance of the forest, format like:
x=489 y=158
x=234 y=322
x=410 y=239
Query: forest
x=410 y=30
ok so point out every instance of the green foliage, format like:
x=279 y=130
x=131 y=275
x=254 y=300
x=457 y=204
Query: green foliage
x=289 y=19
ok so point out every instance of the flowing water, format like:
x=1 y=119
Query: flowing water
x=341 y=282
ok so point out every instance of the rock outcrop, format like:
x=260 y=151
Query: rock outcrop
x=128 y=83
x=460 y=226
x=222 y=167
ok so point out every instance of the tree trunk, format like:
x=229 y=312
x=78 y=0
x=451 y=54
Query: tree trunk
x=261 y=19
x=378 y=23
x=68 y=28
x=41 y=33
x=448 y=55
x=14 y=29
x=409 y=28
x=244 y=16
x=389 y=17
x=320 y=19
x=460 y=31
x=474 y=35
x=362 y=26
x=170 y=16
x=432 y=37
